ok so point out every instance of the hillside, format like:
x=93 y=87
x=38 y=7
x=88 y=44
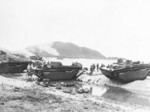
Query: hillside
x=6 y=55
x=73 y=51
x=63 y=50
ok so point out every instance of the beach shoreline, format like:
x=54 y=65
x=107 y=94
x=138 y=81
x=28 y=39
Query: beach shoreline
x=17 y=95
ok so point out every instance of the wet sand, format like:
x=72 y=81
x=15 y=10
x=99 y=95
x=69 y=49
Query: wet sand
x=136 y=93
x=19 y=95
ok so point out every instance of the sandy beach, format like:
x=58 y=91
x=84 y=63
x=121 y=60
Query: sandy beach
x=19 y=95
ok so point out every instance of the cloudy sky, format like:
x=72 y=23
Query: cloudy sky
x=113 y=27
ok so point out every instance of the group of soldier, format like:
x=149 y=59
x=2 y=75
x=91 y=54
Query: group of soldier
x=94 y=67
x=43 y=64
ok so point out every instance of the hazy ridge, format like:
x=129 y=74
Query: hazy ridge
x=59 y=50
x=64 y=50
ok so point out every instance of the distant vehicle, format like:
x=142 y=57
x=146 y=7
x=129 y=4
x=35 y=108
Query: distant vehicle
x=36 y=58
x=127 y=73
x=60 y=58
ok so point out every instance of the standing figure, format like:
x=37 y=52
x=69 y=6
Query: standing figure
x=92 y=68
x=97 y=66
x=30 y=70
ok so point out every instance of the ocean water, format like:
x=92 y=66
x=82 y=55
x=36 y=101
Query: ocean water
x=84 y=62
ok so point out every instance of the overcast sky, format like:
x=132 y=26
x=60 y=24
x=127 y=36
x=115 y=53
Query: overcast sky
x=113 y=27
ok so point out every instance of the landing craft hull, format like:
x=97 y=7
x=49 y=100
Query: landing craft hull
x=129 y=74
x=58 y=74
x=107 y=73
x=13 y=67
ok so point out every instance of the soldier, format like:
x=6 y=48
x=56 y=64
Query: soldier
x=92 y=68
x=97 y=66
x=30 y=70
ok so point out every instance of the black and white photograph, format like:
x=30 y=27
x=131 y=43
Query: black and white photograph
x=74 y=55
